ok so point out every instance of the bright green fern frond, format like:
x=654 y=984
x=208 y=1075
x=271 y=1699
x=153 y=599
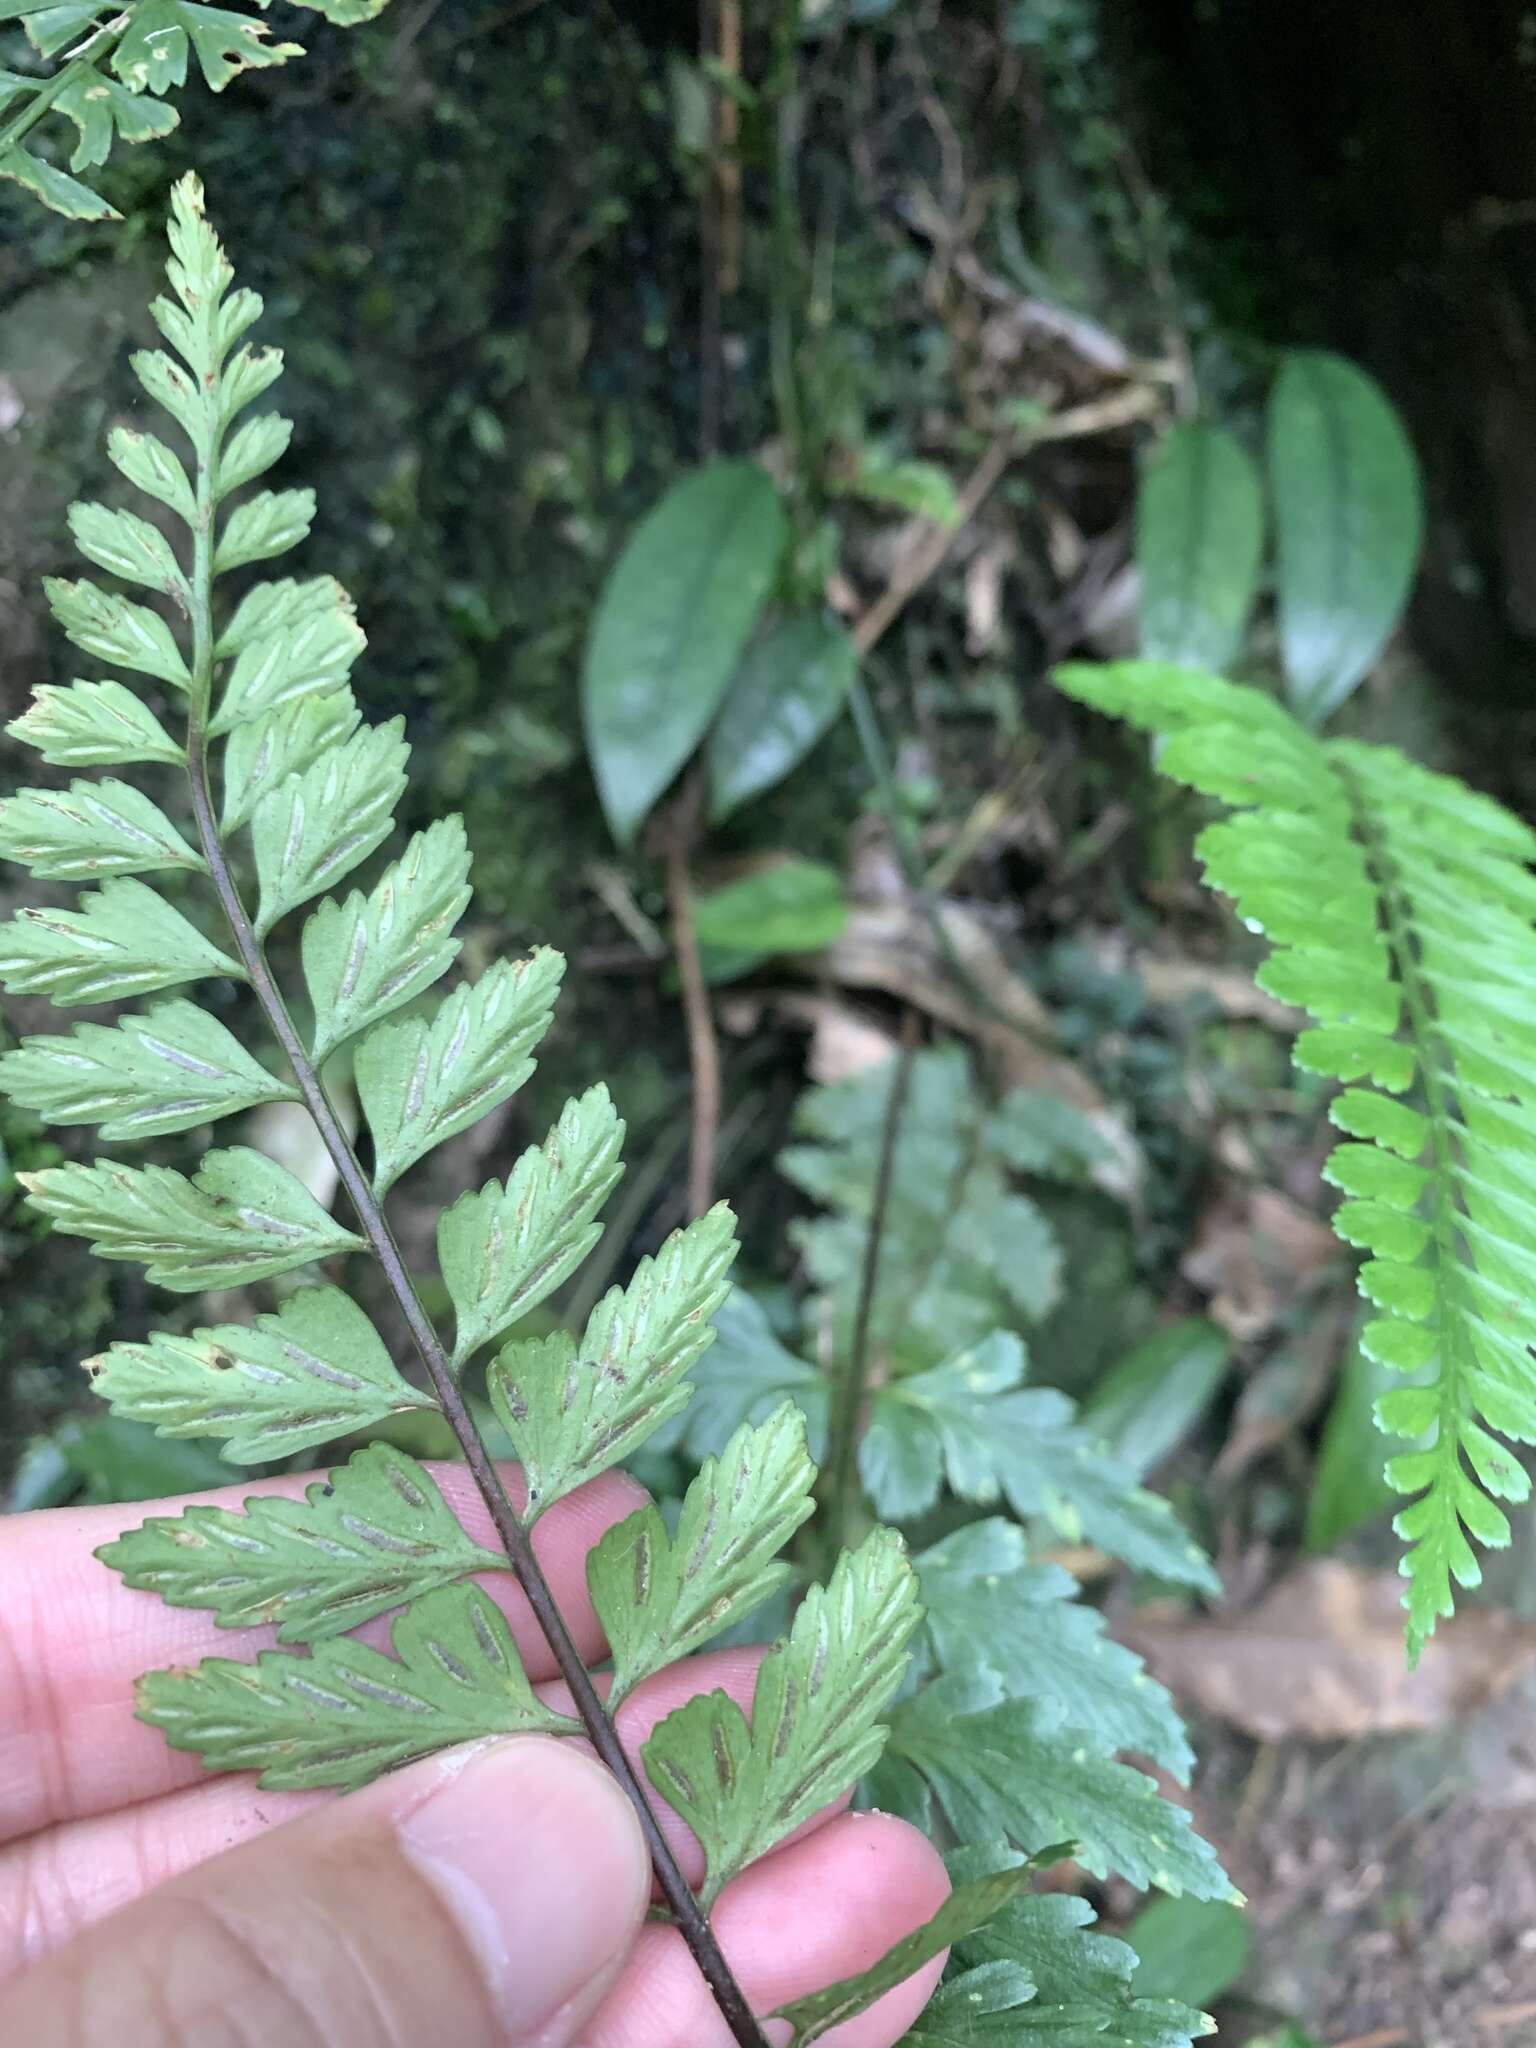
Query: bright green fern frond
x=1399 y=905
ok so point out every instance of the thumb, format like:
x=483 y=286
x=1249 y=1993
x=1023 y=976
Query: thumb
x=487 y=1898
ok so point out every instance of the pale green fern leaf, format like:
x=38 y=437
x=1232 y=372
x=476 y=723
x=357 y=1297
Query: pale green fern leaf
x=815 y=1726
x=375 y=1535
x=124 y=940
x=422 y=1083
x=343 y=1713
x=241 y=1217
x=367 y=956
x=315 y=1370
x=571 y=1410
x=261 y=754
x=316 y=826
x=661 y=1596
x=92 y=725
x=504 y=1249
x=117 y=630
x=170 y=1069
x=90 y=830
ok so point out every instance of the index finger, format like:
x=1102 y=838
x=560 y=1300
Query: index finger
x=74 y=1638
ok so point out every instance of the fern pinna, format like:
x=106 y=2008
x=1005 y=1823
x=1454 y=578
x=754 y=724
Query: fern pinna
x=1399 y=906
x=287 y=791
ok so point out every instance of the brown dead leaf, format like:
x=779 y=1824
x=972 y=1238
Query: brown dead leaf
x=1321 y=1659
x=1254 y=1250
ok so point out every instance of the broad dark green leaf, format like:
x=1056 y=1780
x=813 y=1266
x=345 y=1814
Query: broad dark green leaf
x=789 y=689
x=343 y=1713
x=1348 y=517
x=792 y=906
x=92 y=725
x=422 y=1082
x=124 y=940
x=661 y=1597
x=314 y=1371
x=671 y=625
x=167 y=1070
x=373 y=1535
x=503 y=1249
x=815 y=1725
x=573 y=1411
x=1199 y=532
x=1194 y=1949
x=367 y=956
x=241 y=1217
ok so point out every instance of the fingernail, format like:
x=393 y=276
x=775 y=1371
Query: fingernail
x=537 y=1854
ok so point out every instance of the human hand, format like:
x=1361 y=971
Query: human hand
x=489 y=1897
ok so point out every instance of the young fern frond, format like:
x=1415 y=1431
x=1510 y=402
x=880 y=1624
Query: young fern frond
x=289 y=794
x=1399 y=905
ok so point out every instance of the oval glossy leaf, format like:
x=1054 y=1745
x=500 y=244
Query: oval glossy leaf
x=1155 y=1396
x=792 y=907
x=1191 y=1949
x=787 y=692
x=1199 y=532
x=1349 y=1487
x=1349 y=517
x=670 y=628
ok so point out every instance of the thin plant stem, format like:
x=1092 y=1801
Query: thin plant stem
x=711 y=359
x=703 y=1045
x=691 y=1919
x=840 y=1488
x=782 y=94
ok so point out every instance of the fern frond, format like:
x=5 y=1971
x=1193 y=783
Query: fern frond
x=1399 y=905
x=115 y=66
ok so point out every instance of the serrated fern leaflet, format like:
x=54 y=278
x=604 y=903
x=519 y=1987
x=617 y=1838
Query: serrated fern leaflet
x=113 y=68
x=1399 y=905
